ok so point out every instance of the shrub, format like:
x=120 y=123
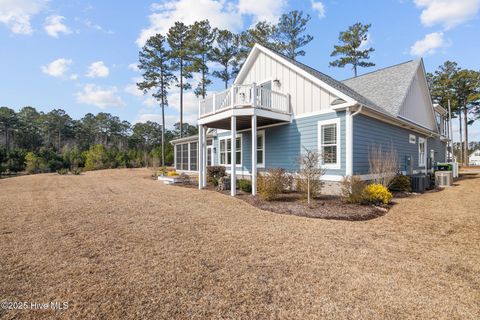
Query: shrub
x=214 y=173
x=271 y=184
x=35 y=164
x=352 y=188
x=96 y=158
x=376 y=194
x=172 y=174
x=401 y=183
x=62 y=171
x=76 y=171
x=311 y=171
x=382 y=165
x=244 y=185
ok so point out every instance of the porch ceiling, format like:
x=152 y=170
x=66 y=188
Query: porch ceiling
x=243 y=122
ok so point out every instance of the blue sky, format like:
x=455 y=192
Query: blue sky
x=79 y=55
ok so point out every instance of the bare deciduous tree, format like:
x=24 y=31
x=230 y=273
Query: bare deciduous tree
x=383 y=165
x=311 y=171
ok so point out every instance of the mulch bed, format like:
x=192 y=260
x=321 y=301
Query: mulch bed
x=324 y=207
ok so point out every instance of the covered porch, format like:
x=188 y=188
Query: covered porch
x=242 y=107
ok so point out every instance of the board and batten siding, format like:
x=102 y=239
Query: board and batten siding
x=285 y=143
x=305 y=96
x=368 y=132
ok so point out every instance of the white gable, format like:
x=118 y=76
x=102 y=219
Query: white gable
x=306 y=96
x=417 y=105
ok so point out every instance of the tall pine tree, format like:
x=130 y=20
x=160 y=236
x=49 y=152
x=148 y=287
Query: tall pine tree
x=179 y=38
x=225 y=52
x=351 y=48
x=203 y=38
x=157 y=75
x=290 y=33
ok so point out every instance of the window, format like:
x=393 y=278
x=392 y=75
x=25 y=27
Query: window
x=186 y=156
x=329 y=142
x=226 y=147
x=261 y=148
x=421 y=151
x=193 y=156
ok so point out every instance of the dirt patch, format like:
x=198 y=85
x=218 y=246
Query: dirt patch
x=324 y=207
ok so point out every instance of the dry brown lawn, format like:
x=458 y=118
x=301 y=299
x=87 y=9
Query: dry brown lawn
x=117 y=245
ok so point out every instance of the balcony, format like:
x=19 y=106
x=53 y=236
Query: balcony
x=244 y=101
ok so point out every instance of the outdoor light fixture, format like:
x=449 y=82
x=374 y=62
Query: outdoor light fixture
x=277 y=83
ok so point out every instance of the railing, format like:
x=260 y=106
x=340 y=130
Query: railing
x=241 y=96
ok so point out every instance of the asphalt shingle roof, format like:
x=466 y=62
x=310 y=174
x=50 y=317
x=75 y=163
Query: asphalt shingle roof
x=386 y=87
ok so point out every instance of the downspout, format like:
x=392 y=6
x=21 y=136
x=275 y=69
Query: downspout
x=349 y=139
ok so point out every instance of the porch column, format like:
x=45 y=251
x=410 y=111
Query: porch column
x=233 y=151
x=254 y=155
x=200 y=156
x=204 y=156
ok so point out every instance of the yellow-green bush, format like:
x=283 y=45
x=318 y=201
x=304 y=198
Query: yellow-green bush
x=172 y=174
x=376 y=194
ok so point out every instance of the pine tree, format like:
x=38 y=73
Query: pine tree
x=225 y=53
x=290 y=33
x=157 y=75
x=203 y=38
x=179 y=38
x=8 y=120
x=262 y=33
x=351 y=48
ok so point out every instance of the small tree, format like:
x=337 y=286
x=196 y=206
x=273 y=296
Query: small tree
x=383 y=166
x=352 y=41
x=311 y=172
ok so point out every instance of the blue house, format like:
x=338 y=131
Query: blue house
x=277 y=106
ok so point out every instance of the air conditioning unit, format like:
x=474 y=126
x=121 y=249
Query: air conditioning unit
x=419 y=183
x=443 y=178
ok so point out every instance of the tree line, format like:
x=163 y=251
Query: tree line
x=54 y=141
x=172 y=59
x=450 y=84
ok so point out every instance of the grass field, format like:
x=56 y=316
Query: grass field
x=117 y=245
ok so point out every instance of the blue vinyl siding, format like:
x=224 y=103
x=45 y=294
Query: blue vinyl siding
x=368 y=132
x=439 y=147
x=284 y=143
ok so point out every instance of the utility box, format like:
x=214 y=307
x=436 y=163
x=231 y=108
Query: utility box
x=419 y=183
x=443 y=178
x=408 y=165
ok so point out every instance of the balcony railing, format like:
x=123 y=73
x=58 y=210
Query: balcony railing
x=244 y=96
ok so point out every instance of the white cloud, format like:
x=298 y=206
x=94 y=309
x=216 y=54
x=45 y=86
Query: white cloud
x=268 y=10
x=73 y=76
x=319 y=7
x=133 y=89
x=220 y=13
x=54 y=26
x=448 y=13
x=133 y=67
x=57 y=68
x=97 y=27
x=16 y=14
x=428 y=45
x=98 y=69
x=97 y=96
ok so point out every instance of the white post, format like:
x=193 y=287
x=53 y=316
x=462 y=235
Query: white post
x=233 y=151
x=348 y=143
x=254 y=155
x=254 y=93
x=200 y=156
x=213 y=101
x=204 y=157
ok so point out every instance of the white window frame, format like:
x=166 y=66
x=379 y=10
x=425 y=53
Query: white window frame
x=336 y=121
x=239 y=136
x=262 y=134
x=422 y=161
x=177 y=161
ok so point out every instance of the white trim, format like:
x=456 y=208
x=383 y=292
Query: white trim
x=238 y=135
x=316 y=113
x=256 y=48
x=250 y=111
x=336 y=121
x=348 y=142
